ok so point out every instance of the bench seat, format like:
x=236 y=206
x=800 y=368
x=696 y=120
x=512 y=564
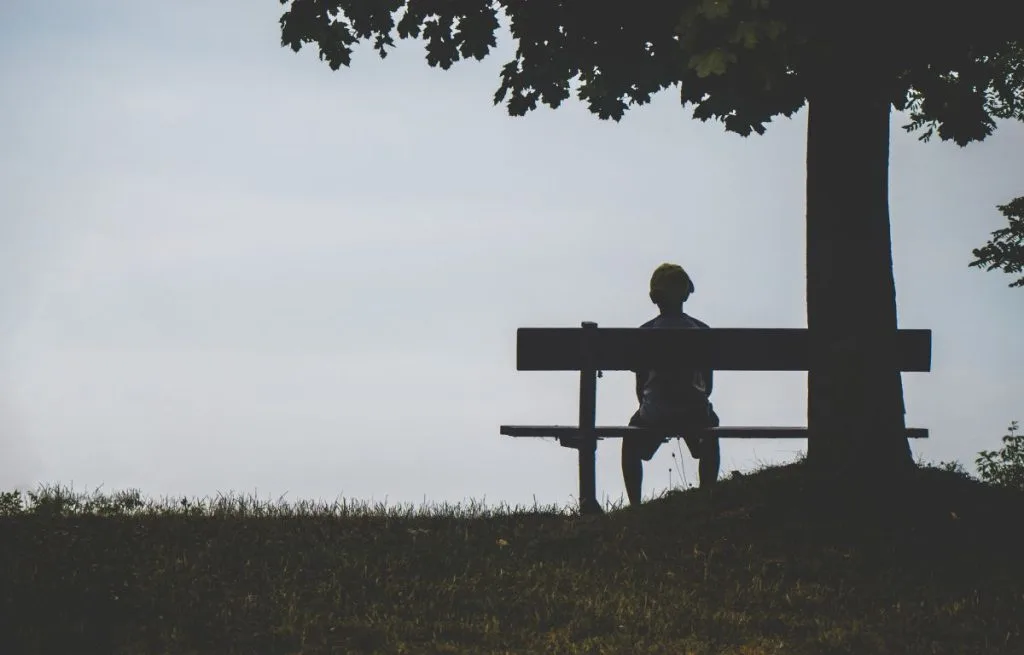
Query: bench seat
x=623 y=431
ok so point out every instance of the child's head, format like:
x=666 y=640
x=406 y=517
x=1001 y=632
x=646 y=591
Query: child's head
x=670 y=286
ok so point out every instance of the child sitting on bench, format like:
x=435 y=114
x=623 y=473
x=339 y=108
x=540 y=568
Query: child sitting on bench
x=673 y=400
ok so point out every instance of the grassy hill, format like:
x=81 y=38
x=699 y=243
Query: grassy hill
x=769 y=564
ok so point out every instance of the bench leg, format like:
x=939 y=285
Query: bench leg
x=588 y=478
x=588 y=442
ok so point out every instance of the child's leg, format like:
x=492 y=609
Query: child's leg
x=710 y=461
x=708 y=454
x=636 y=451
x=632 y=471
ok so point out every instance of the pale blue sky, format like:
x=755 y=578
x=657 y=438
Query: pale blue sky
x=225 y=267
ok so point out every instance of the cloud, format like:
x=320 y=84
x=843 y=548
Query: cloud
x=19 y=460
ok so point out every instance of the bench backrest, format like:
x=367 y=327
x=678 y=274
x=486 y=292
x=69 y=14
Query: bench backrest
x=720 y=349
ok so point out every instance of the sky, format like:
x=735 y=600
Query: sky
x=225 y=268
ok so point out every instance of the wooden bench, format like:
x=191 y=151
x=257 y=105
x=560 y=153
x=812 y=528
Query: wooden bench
x=590 y=350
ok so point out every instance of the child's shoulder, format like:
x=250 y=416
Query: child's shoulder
x=684 y=320
x=653 y=322
x=697 y=321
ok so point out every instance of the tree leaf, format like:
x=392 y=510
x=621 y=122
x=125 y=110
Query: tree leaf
x=713 y=62
x=715 y=9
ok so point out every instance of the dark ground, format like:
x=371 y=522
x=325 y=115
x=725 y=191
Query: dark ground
x=770 y=564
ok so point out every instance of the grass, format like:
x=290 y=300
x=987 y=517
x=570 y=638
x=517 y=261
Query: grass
x=769 y=564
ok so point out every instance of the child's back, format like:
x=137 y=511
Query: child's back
x=674 y=395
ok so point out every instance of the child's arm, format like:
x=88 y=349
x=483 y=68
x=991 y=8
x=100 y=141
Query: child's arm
x=641 y=380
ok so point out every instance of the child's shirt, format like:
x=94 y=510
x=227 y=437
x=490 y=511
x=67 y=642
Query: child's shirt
x=673 y=395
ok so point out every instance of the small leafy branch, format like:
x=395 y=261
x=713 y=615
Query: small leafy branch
x=1004 y=467
x=1005 y=250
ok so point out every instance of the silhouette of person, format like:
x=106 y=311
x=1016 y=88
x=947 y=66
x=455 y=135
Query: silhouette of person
x=675 y=401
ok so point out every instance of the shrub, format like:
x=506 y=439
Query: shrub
x=1004 y=467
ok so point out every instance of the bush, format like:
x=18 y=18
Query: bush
x=954 y=467
x=1004 y=467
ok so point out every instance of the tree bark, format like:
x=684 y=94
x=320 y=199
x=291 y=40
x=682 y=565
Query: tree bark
x=855 y=409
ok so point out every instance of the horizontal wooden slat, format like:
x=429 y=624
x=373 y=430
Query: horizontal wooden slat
x=721 y=349
x=723 y=432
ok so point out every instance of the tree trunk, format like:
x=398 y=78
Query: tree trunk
x=854 y=395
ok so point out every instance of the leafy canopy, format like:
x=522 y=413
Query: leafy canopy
x=1005 y=250
x=955 y=67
